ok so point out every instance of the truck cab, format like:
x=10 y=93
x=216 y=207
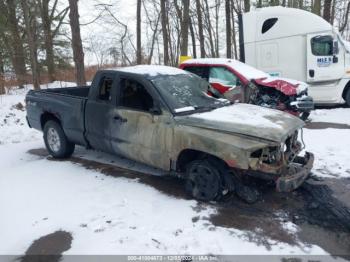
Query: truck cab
x=294 y=43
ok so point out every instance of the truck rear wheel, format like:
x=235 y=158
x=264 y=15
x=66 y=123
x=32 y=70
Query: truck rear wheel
x=56 y=141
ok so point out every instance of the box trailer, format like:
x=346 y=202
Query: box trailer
x=294 y=43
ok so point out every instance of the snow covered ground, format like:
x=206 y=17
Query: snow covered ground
x=116 y=215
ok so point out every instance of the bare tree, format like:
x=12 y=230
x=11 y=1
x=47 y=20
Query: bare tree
x=31 y=36
x=193 y=40
x=184 y=27
x=50 y=30
x=12 y=39
x=138 y=33
x=200 y=28
x=77 y=46
x=327 y=10
x=246 y=6
x=316 y=8
x=163 y=11
x=346 y=18
x=228 y=29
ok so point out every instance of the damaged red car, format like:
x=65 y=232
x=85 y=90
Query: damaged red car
x=239 y=82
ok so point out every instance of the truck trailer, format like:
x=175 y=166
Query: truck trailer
x=293 y=43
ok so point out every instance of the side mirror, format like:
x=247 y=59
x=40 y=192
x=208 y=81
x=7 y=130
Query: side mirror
x=335 y=47
x=155 y=110
x=335 y=59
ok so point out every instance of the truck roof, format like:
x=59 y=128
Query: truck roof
x=150 y=70
x=245 y=70
x=288 y=22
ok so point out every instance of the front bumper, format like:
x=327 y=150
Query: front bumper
x=298 y=172
x=303 y=104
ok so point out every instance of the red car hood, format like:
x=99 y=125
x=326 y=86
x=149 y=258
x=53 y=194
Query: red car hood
x=285 y=87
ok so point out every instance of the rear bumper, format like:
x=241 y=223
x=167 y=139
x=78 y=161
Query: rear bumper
x=299 y=172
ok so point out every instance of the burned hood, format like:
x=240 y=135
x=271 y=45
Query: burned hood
x=247 y=120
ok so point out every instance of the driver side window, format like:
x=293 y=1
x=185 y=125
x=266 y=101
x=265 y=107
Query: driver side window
x=322 y=45
x=223 y=76
x=134 y=95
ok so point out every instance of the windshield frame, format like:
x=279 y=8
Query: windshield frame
x=224 y=102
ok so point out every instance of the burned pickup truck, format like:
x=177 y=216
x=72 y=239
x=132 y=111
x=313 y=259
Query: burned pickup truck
x=162 y=116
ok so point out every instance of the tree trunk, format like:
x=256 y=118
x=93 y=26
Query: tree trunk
x=138 y=33
x=246 y=6
x=200 y=28
x=48 y=38
x=164 y=31
x=2 y=71
x=217 y=10
x=15 y=44
x=234 y=40
x=31 y=33
x=333 y=11
x=316 y=9
x=327 y=10
x=184 y=27
x=193 y=40
x=209 y=28
x=346 y=19
x=228 y=29
x=77 y=46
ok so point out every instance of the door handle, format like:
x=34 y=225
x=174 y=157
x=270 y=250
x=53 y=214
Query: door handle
x=311 y=73
x=120 y=119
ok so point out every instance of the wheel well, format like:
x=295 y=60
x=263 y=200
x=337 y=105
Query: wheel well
x=46 y=117
x=188 y=155
x=346 y=89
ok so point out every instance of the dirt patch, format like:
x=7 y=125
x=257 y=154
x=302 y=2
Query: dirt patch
x=320 y=208
x=324 y=125
x=48 y=248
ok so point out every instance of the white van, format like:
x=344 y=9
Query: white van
x=297 y=44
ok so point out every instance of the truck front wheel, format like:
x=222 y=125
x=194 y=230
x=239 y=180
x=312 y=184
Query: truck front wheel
x=204 y=180
x=56 y=141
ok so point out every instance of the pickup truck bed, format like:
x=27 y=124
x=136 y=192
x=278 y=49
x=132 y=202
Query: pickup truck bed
x=67 y=104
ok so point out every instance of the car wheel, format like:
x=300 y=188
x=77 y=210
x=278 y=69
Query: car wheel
x=56 y=141
x=304 y=116
x=203 y=180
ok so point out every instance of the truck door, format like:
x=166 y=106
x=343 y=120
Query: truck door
x=136 y=129
x=324 y=63
x=99 y=111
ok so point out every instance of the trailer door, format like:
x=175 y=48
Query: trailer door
x=323 y=60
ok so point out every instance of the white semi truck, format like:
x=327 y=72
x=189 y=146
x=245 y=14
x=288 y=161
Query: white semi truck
x=293 y=43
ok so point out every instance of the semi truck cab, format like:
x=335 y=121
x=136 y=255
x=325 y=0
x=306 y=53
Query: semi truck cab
x=294 y=43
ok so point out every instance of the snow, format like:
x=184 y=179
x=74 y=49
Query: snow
x=330 y=145
x=39 y=196
x=151 y=70
x=248 y=115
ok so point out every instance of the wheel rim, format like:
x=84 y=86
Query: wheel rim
x=53 y=139
x=205 y=182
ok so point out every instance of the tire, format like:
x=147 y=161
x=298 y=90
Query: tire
x=347 y=97
x=206 y=180
x=56 y=141
x=304 y=116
